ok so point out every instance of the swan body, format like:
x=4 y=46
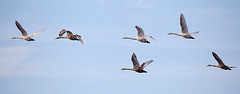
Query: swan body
x=70 y=36
x=220 y=63
x=141 y=37
x=184 y=28
x=24 y=33
x=136 y=66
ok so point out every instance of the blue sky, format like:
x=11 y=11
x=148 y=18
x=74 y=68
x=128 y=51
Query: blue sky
x=66 y=67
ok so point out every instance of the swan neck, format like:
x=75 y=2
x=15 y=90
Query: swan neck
x=213 y=65
x=59 y=37
x=17 y=38
x=173 y=34
x=126 y=69
x=129 y=38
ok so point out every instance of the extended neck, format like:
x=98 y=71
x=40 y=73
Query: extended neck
x=126 y=69
x=212 y=65
x=173 y=34
x=60 y=37
x=129 y=38
x=17 y=38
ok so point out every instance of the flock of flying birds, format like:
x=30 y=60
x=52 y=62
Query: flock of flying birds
x=141 y=37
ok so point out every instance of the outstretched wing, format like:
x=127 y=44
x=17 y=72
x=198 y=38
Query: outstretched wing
x=183 y=24
x=135 y=61
x=80 y=38
x=24 y=33
x=62 y=32
x=34 y=34
x=220 y=62
x=69 y=33
x=140 y=31
x=150 y=37
x=194 y=33
x=146 y=63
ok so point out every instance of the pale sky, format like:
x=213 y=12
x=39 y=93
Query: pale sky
x=49 y=66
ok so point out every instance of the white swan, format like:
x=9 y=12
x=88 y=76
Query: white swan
x=220 y=63
x=24 y=33
x=184 y=27
x=70 y=36
x=141 y=36
x=136 y=66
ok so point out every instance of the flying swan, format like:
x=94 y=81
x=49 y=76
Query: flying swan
x=70 y=36
x=141 y=36
x=136 y=66
x=220 y=63
x=184 y=27
x=24 y=33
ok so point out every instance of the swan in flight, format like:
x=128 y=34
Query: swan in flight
x=184 y=27
x=136 y=66
x=24 y=33
x=141 y=36
x=220 y=63
x=70 y=36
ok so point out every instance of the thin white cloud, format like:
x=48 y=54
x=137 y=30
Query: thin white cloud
x=11 y=57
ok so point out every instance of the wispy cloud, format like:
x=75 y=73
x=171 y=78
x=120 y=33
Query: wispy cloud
x=11 y=57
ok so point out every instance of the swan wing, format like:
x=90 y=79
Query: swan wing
x=194 y=33
x=147 y=36
x=34 y=34
x=146 y=63
x=69 y=33
x=62 y=32
x=183 y=24
x=135 y=61
x=24 y=33
x=140 y=31
x=152 y=38
x=220 y=62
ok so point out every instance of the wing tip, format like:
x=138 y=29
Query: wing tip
x=136 y=26
x=43 y=29
x=213 y=53
x=133 y=54
x=16 y=22
x=151 y=60
x=181 y=14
